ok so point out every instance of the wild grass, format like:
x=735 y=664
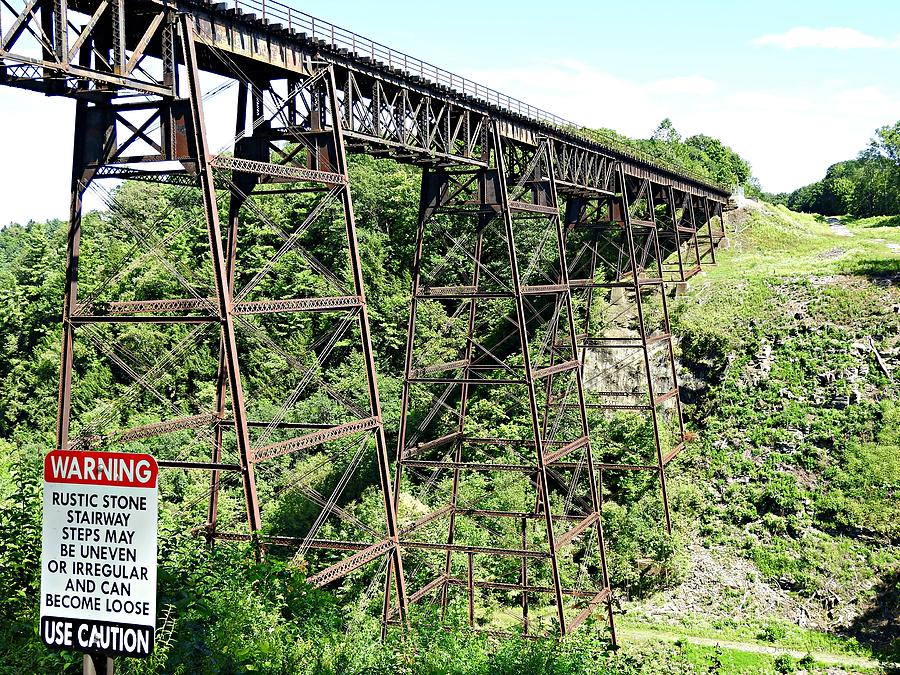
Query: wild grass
x=777 y=242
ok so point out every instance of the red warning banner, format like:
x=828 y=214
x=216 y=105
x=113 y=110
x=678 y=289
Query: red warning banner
x=100 y=468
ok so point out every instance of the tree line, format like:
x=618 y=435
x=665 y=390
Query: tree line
x=866 y=186
x=703 y=156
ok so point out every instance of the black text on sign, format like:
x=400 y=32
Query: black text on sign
x=98 y=561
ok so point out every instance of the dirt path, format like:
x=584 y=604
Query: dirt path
x=838 y=228
x=821 y=657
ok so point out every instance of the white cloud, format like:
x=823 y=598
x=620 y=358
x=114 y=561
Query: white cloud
x=791 y=140
x=592 y=97
x=690 y=84
x=825 y=38
x=790 y=137
x=865 y=96
x=765 y=102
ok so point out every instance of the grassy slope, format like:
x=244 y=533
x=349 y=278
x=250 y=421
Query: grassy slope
x=806 y=515
x=784 y=476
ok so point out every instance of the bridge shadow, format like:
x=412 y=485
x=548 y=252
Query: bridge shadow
x=879 y=270
x=893 y=221
x=879 y=626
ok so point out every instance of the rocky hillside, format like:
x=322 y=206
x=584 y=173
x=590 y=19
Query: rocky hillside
x=790 y=363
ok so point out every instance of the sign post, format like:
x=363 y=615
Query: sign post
x=98 y=557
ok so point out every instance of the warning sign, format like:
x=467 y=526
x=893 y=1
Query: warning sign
x=98 y=560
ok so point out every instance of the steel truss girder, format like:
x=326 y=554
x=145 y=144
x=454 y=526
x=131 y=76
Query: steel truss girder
x=404 y=115
x=88 y=49
x=385 y=110
x=388 y=111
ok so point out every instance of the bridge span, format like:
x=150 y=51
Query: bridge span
x=547 y=251
x=391 y=103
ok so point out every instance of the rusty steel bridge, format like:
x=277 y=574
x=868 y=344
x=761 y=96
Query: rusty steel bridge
x=546 y=251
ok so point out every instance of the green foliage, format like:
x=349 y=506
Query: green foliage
x=866 y=479
x=20 y=536
x=866 y=186
x=798 y=424
x=706 y=157
x=784 y=663
x=225 y=613
x=725 y=165
x=643 y=557
x=782 y=494
x=772 y=632
x=20 y=562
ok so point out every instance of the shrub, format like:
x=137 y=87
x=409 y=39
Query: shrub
x=772 y=632
x=785 y=664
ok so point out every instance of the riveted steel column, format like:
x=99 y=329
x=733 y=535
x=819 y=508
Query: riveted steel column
x=382 y=461
x=80 y=181
x=463 y=408
x=629 y=233
x=521 y=320
x=582 y=408
x=673 y=212
x=234 y=208
x=689 y=200
x=220 y=272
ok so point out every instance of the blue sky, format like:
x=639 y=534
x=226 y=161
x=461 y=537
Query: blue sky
x=793 y=86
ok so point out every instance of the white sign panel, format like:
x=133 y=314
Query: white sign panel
x=98 y=560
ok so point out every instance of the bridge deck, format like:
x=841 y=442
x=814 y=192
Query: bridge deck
x=394 y=104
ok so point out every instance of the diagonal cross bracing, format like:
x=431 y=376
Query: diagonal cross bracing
x=309 y=94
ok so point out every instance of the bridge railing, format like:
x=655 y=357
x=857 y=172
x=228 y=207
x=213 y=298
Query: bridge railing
x=361 y=47
x=341 y=38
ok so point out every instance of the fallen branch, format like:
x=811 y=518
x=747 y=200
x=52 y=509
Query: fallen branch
x=881 y=363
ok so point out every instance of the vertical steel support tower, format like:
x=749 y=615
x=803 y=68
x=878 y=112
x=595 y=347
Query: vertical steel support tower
x=677 y=232
x=289 y=148
x=626 y=339
x=711 y=216
x=490 y=277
